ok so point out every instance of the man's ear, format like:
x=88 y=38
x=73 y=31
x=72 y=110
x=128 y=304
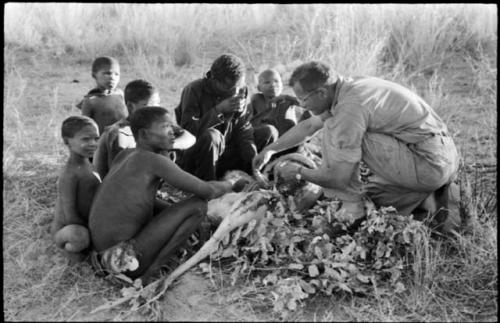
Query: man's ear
x=130 y=107
x=143 y=133
x=323 y=92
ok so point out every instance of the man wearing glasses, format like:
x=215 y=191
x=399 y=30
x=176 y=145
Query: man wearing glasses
x=213 y=109
x=401 y=139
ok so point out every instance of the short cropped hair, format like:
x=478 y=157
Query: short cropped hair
x=138 y=90
x=144 y=118
x=227 y=65
x=71 y=125
x=269 y=71
x=311 y=75
x=103 y=62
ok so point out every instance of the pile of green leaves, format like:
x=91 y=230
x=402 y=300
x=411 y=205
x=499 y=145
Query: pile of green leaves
x=294 y=256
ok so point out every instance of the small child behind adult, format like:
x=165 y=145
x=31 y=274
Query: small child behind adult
x=117 y=137
x=105 y=103
x=270 y=107
x=130 y=231
x=77 y=185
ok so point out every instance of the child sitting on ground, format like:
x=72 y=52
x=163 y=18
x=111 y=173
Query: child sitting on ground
x=105 y=103
x=131 y=231
x=77 y=185
x=269 y=107
x=118 y=136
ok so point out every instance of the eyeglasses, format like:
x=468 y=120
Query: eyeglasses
x=308 y=95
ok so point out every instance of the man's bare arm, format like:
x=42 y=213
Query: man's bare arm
x=297 y=134
x=337 y=176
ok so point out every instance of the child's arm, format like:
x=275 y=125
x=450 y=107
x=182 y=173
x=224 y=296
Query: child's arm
x=68 y=186
x=175 y=176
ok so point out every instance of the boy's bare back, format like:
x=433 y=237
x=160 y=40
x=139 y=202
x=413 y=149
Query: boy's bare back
x=126 y=199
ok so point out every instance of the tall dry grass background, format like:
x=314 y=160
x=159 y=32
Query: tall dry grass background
x=445 y=52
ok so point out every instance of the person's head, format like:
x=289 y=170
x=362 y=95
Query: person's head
x=310 y=83
x=270 y=84
x=106 y=72
x=139 y=94
x=228 y=75
x=154 y=127
x=80 y=134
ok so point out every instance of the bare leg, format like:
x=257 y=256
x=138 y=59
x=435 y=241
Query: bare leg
x=162 y=236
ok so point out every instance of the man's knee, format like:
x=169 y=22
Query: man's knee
x=211 y=138
x=200 y=207
x=72 y=238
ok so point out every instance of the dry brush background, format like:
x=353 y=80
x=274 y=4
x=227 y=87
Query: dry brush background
x=445 y=52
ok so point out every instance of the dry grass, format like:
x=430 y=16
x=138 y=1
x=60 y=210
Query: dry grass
x=447 y=53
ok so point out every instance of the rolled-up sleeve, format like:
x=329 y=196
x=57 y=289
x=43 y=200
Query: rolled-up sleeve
x=343 y=134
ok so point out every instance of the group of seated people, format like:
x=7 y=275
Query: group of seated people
x=125 y=146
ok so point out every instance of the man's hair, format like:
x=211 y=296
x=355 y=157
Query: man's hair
x=266 y=73
x=227 y=65
x=138 y=90
x=103 y=62
x=311 y=75
x=144 y=118
x=71 y=125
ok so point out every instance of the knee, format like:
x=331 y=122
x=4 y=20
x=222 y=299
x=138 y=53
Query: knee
x=200 y=208
x=72 y=238
x=211 y=136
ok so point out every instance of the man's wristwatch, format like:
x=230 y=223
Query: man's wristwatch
x=298 y=176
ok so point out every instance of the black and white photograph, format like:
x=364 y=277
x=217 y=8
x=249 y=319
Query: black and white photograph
x=246 y=162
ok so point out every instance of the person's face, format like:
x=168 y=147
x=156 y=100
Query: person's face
x=161 y=134
x=84 y=142
x=153 y=100
x=270 y=85
x=314 y=100
x=107 y=78
x=228 y=88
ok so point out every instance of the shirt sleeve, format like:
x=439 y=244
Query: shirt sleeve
x=191 y=112
x=343 y=133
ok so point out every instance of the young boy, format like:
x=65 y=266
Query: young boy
x=270 y=108
x=117 y=137
x=76 y=188
x=105 y=103
x=126 y=221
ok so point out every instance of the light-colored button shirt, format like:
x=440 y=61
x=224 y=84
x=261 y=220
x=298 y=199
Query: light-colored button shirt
x=373 y=105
